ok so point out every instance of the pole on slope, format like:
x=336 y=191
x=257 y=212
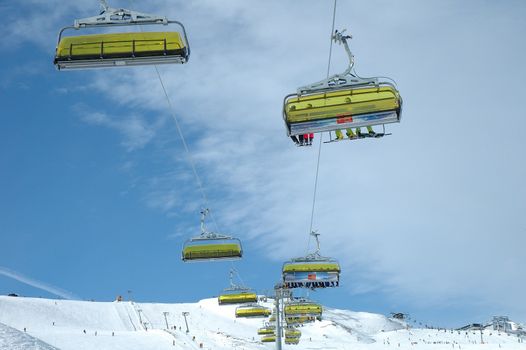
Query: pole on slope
x=139 y=313
x=279 y=296
x=186 y=313
x=166 y=313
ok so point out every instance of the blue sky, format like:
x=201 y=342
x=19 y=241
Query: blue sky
x=97 y=195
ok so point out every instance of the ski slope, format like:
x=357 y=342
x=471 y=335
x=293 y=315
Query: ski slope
x=82 y=325
x=14 y=339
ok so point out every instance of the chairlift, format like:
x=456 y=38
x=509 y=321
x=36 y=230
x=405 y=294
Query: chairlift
x=252 y=310
x=209 y=246
x=268 y=328
x=343 y=101
x=236 y=294
x=292 y=341
x=291 y=332
x=303 y=307
x=271 y=338
x=123 y=48
x=312 y=271
x=299 y=320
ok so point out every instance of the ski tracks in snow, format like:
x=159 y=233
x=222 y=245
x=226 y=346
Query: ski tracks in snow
x=123 y=310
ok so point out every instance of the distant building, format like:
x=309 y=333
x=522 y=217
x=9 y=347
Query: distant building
x=504 y=324
x=398 y=315
x=501 y=323
x=472 y=327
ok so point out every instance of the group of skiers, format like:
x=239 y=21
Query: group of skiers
x=303 y=140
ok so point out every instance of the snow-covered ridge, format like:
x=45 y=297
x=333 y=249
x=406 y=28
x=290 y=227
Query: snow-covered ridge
x=78 y=325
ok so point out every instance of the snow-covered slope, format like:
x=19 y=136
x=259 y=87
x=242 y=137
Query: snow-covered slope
x=79 y=325
x=14 y=339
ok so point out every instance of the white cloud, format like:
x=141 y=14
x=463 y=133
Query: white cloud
x=417 y=214
x=429 y=215
x=136 y=131
x=38 y=22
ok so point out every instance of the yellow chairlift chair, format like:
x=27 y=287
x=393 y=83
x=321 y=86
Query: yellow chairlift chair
x=236 y=294
x=121 y=48
x=252 y=310
x=342 y=102
x=211 y=246
x=312 y=271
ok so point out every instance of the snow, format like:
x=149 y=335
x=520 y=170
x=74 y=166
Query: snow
x=14 y=339
x=82 y=325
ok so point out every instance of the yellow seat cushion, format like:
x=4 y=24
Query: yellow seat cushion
x=119 y=45
x=263 y=331
x=299 y=319
x=251 y=312
x=294 y=333
x=268 y=339
x=303 y=309
x=339 y=103
x=237 y=298
x=307 y=267
x=212 y=251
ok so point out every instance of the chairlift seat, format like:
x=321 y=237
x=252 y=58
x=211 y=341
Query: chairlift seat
x=311 y=271
x=349 y=107
x=311 y=274
x=210 y=250
x=292 y=341
x=237 y=298
x=252 y=311
x=295 y=320
x=292 y=333
x=307 y=308
x=115 y=49
x=306 y=266
x=268 y=339
x=266 y=330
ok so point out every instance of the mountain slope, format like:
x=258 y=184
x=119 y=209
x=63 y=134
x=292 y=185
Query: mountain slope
x=14 y=339
x=83 y=325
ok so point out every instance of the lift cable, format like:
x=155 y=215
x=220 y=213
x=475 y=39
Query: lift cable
x=179 y=131
x=321 y=134
x=187 y=150
x=181 y=135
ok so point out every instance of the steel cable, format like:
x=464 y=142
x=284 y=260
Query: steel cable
x=321 y=134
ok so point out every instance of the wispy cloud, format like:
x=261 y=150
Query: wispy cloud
x=137 y=132
x=37 y=284
x=42 y=27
